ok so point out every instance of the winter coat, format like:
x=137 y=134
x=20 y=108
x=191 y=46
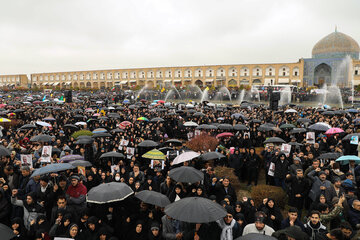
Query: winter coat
x=31 y=212
x=312 y=230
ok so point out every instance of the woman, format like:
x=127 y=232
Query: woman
x=273 y=213
x=61 y=226
x=138 y=233
x=18 y=228
x=176 y=194
x=74 y=233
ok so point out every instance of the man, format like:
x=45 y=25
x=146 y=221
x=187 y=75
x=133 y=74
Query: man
x=230 y=227
x=314 y=226
x=347 y=230
x=138 y=175
x=76 y=193
x=259 y=226
x=354 y=214
x=320 y=184
x=61 y=203
x=292 y=219
x=172 y=229
x=335 y=234
x=281 y=170
x=298 y=189
x=334 y=191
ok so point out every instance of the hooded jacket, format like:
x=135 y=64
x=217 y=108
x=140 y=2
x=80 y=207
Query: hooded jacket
x=312 y=230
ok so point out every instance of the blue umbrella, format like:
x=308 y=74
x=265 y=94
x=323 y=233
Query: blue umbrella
x=126 y=101
x=345 y=159
x=51 y=168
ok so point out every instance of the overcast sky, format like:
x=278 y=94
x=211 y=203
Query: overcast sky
x=75 y=35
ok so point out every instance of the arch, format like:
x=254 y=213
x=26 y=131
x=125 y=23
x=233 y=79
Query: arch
x=150 y=74
x=244 y=82
x=322 y=74
x=270 y=71
x=256 y=81
x=141 y=74
x=75 y=85
x=150 y=84
x=188 y=73
x=209 y=72
x=88 y=84
x=198 y=73
x=232 y=83
x=34 y=85
x=159 y=74
x=296 y=71
x=133 y=74
x=178 y=73
x=220 y=72
x=232 y=72
x=284 y=71
x=199 y=83
x=244 y=72
x=102 y=85
x=257 y=71
x=82 y=84
x=62 y=85
x=109 y=84
x=95 y=85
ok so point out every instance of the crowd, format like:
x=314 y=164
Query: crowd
x=322 y=193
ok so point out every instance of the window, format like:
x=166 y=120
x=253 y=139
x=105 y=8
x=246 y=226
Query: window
x=133 y=74
x=295 y=73
x=69 y=77
x=46 y=78
x=198 y=73
x=168 y=74
x=150 y=74
x=178 y=74
x=75 y=77
x=102 y=76
x=109 y=75
x=142 y=74
x=125 y=75
x=41 y=78
x=52 y=77
x=159 y=74
x=88 y=76
x=35 y=78
x=95 y=76
x=117 y=75
x=63 y=77
x=57 y=78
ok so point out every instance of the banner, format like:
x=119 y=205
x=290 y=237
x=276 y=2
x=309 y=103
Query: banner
x=46 y=154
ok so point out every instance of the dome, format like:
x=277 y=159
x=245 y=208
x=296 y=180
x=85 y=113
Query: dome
x=336 y=45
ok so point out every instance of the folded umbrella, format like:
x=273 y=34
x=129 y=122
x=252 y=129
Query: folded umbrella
x=108 y=193
x=186 y=156
x=186 y=174
x=153 y=198
x=51 y=168
x=195 y=210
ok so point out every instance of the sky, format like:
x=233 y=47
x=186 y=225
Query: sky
x=74 y=35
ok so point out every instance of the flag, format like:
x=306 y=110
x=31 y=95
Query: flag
x=61 y=98
x=163 y=89
x=207 y=89
x=51 y=95
x=113 y=89
x=102 y=112
x=44 y=98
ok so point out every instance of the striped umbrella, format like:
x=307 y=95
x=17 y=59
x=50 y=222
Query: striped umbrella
x=154 y=154
x=100 y=130
x=142 y=119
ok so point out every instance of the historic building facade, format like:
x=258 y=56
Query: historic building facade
x=331 y=58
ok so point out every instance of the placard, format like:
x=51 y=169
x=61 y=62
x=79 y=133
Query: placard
x=271 y=171
x=46 y=154
x=26 y=160
x=124 y=142
x=354 y=140
x=310 y=137
x=286 y=149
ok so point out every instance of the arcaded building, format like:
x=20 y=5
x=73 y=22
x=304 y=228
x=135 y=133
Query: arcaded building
x=335 y=60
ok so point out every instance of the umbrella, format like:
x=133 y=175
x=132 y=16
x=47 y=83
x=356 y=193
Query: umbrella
x=108 y=192
x=157 y=119
x=294 y=232
x=225 y=126
x=112 y=155
x=70 y=158
x=206 y=127
x=117 y=130
x=84 y=141
x=28 y=126
x=225 y=134
x=80 y=123
x=126 y=101
x=186 y=156
x=6 y=232
x=286 y=126
x=332 y=131
x=267 y=127
x=345 y=159
x=44 y=124
x=41 y=138
x=143 y=119
x=240 y=127
x=153 y=198
x=237 y=115
x=81 y=163
x=328 y=113
x=274 y=140
x=198 y=114
x=101 y=135
x=71 y=126
x=49 y=119
x=195 y=210
x=329 y=155
x=51 y=168
x=4 y=151
x=148 y=143
x=349 y=136
x=295 y=144
x=291 y=111
x=174 y=142
x=4 y=120
x=211 y=156
x=190 y=124
x=99 y=130
x=113 y=115
x=320 y=126
x=165 y=149
x=304 y=120
x=256 y=236
x=297 y=130
x=154 y=154
x=186 y=174
x=124 y=124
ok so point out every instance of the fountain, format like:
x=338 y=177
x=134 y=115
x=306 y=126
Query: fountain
x=333 y=96
x=143 y=89
x=241 y=96
x=255 y=92
x=194 y=92
x=223 y=92
x=285 y=96
x=172 y=93
x=205 y=95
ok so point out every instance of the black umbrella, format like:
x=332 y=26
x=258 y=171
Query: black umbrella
x=41 y=138
x=195 y=210
x=328 y=113
x=157 y=119
x=294 y=232
x=211 y=156
x=6 y=233
x=174 y=142
x=274 y=140
x=28 y=126
x=225 y=126
x=240 y=127
x=186 y=174
x=165 y=149
x=256 y=236
x=108 y=193
x=349 y=136
x=117 y=130
x=81 y=163
x=304 y=120
x=267 y=127
x=51 y=168
x=112 y=155
x=153 y=198
x=198 y=114
x=113 y=115
x=330 y=155
x=84 y=141
x=4 y=151
x=255 y=121
x=320 y=126
x=148 y=143
x=297 y=130
x=206 y=127
x=70 y=126
x=19 y=110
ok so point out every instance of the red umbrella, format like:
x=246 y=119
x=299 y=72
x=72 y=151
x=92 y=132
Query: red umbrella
x=332 y=131
x=124 y=124
x=37 y=102
x=161 y=101
x=2 y=105
x=225 y=134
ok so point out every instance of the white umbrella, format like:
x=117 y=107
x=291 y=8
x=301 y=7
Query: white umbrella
x=80 y=123
x=190 y=124
x=111 y=108
x=44 y=124
x=291 y=111
x=99 y=102
x=186 y=156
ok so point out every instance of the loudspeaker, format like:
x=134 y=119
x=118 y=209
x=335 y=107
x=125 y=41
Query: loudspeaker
x=275 y=96
x=68 y=96
x=274 y=105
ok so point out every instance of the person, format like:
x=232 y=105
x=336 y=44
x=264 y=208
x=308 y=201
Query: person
x=252 y=164
x=5 y=210
x=292 y=219
x=348 y=231
x=259 y=226
x=171 y=228
x=230 y=228
x=319 y=183
x=76 y=193
x=273 y=213
x=354 y=214
x=223 y=188
x=336 y=190
x=298 y=189
x=314 y=226
x=281 y=170
x=335 y=234
x=61 y=203
x=154 y=232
